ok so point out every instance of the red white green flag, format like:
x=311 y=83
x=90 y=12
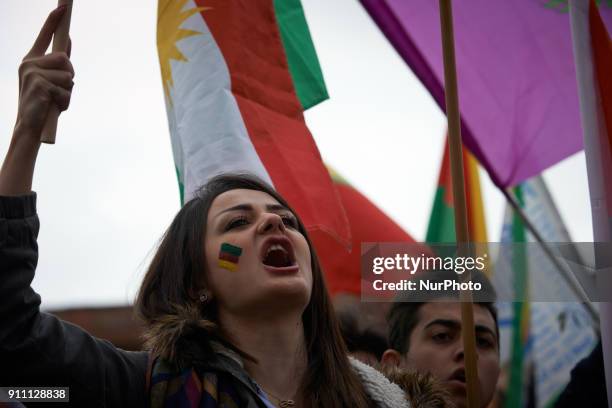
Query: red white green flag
x=441 y=227
x=237 y=76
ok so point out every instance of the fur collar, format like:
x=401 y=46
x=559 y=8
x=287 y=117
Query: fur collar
x=378 y=387
x=396 y=388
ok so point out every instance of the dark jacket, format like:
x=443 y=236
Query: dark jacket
x=587 y=384
x=38 y=349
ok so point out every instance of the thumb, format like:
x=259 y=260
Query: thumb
x=46 y=32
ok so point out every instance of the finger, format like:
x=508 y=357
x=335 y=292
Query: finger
x=40 y=88
x=54 y=60
x=69 y=49
x=59 y=78
x=46 y=32
x=61 y=97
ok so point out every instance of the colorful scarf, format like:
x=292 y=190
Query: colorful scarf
x=189 y=389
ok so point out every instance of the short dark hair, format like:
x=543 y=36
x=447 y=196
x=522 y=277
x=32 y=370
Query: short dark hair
x=404 y=316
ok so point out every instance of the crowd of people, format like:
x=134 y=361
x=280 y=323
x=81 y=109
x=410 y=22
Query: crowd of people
x=234 y=302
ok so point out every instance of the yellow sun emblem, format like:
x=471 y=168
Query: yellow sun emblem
x=170 y=17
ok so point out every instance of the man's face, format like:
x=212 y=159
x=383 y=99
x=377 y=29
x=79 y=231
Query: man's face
x=436 y=346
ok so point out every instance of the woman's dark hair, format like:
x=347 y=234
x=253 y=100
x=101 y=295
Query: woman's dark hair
x=178 y=272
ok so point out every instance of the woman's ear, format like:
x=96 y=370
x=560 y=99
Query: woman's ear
x=196 y=293
x=391 y=358
x=205 y=296
x=202 y=296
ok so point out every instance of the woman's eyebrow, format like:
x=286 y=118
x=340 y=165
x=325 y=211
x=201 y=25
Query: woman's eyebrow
x=239 y=207
x=276 y=207
x=249 y=207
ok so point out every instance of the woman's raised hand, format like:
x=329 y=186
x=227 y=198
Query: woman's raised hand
x=43 y=80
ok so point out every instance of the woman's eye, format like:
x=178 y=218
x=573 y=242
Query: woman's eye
x=235 y=223
x=290 y=221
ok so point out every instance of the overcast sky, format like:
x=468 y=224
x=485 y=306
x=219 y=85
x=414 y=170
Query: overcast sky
x=107 y=188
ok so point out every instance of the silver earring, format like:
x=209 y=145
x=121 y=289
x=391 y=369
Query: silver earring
x=203 y=297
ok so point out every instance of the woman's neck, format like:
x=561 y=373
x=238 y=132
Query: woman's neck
x=279 y=348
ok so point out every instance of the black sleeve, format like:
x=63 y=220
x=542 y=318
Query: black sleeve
x=38 y=349
x=587 y=386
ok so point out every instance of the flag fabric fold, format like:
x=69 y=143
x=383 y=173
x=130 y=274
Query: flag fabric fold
x=301 y=55
x=517 y=92
x=368 y=224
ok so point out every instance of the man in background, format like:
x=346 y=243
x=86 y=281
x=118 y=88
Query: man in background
x=425 y=336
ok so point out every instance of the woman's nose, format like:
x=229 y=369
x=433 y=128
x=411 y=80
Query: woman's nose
x=270 y=223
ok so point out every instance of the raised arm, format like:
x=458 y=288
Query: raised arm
x=36 y=348
x=43 y=80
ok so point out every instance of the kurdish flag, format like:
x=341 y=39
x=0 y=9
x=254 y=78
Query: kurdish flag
x=237 y=76
x=441 y=227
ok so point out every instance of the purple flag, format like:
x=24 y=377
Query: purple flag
x=516 y=76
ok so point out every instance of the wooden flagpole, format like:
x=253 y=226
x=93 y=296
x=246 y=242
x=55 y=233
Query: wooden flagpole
x=60 y=43
x=461 y=225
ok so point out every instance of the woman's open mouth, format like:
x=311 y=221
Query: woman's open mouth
x=277 y=254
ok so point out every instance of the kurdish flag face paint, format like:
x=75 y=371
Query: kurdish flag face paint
x=229 y=256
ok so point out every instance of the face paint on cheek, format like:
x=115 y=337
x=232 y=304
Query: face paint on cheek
x=229 y=256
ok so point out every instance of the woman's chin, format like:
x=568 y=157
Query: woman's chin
x=282 y=295
x=296 y=289
x=290 y=280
